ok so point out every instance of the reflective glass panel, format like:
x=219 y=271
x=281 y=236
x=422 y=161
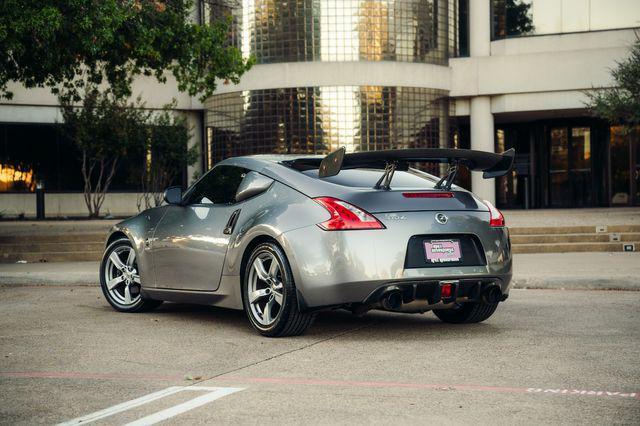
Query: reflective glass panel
x=342 y=30
x=318 y=120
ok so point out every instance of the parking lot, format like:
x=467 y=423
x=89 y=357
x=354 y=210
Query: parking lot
x=545 y=356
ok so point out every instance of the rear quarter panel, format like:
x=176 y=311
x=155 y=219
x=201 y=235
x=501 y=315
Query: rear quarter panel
x=279 y=210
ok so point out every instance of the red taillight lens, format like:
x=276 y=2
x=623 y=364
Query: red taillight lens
x=495 y=216
x=345 y=216
x=427 y=194
x=445 y=291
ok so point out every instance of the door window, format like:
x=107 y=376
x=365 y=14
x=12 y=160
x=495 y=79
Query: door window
x=218 y=186
x=580 y=163
x=559 y=167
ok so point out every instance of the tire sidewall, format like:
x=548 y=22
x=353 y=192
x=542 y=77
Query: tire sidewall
x=103 y=284
x=287 y=282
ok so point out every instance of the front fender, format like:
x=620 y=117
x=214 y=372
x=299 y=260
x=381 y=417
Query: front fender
x=138 y=229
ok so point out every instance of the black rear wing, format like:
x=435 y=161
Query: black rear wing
x=492 y=165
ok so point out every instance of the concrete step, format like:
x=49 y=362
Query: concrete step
x=59 y=256
x=573 y=238
x=70 y=237
x=569 y=247
x=50 y=247
x=545 y=230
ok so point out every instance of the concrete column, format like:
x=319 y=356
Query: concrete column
x=479 y=27
x=482 y=130
x=196 y=127
x=482 y=139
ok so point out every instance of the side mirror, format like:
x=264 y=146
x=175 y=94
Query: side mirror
x=173 y=195
x=253 y=184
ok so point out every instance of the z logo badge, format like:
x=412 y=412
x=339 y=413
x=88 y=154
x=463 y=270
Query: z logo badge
x=394 y=216
x=441 y=218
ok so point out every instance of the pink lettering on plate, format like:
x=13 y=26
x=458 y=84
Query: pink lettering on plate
x=440 y=251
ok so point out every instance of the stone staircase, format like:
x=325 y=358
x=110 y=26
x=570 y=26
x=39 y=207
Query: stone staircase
x=68 y=247
x=562 y=239
x=76 y=245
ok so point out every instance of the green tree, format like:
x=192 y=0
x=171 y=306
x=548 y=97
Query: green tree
x=519 y=20
x=105 y=128
x=512 y=17
x=620 y=104
x=166 y=152
x=65 y=44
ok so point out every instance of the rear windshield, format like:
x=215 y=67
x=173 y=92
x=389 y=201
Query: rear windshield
x=367 y=178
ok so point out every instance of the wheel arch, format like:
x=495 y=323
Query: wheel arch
x=116 y=235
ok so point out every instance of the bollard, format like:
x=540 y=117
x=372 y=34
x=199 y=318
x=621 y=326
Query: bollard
x=40 y=200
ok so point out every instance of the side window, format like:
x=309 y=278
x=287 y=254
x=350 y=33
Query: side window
x=219 y=186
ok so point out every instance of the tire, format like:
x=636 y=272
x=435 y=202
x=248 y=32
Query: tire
x=268 y=281
x=468 y=313
x=120 y=281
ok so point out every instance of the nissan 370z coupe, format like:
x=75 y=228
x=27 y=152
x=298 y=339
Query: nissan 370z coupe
x=283 y=237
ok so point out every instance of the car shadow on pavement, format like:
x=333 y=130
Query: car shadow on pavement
x=375 y=325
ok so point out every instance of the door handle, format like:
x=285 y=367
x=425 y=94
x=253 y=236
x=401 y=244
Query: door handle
x=231 y=223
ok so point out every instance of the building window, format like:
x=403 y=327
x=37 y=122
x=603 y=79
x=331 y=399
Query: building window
x=318 y=120
x=462 y=23
x=31 y=153
x=37 y=152
x=512 y=18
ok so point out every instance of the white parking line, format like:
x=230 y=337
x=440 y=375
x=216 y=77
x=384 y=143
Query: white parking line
x=184 y=407
x=212 y=394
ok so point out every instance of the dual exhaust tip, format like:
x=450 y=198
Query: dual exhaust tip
x=392 y=299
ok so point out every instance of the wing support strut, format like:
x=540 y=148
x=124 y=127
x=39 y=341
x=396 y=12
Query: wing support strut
x=447 y=180
x=385 y=180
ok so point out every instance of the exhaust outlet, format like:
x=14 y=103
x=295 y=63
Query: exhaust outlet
x=492 y=294
x=392 y=300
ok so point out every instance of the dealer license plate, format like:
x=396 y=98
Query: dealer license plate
x=442 y=251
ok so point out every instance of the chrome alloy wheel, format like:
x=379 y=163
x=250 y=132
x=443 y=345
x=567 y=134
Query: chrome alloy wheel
x=266 y=290
x=121 y=276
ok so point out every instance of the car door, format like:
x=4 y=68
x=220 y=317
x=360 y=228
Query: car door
x=190 y=243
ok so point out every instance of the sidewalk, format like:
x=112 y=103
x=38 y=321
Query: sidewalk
x=620 y=271
x=572 y=217
x=592 y=271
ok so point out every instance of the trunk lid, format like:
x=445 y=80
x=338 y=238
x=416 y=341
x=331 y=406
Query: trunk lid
x=396 y=201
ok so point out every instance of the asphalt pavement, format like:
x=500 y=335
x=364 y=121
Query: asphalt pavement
x=546 y=356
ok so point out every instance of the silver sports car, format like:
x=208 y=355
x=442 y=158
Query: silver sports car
x=283 y=237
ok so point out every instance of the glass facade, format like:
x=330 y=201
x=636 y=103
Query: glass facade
x=343 y=30
x=537 y=17
x=318 y=120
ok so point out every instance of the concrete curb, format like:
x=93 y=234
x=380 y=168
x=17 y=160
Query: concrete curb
x=90 y=279
x=629 y=283
x=53 y=279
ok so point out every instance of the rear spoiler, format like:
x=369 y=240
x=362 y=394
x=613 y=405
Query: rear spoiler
x=492 y=165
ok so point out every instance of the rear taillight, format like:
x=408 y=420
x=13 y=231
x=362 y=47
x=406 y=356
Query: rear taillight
x=345 y=216
x=495 y=216
x=427 y=194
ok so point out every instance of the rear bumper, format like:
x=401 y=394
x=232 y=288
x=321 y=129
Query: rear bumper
x=338 y=268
